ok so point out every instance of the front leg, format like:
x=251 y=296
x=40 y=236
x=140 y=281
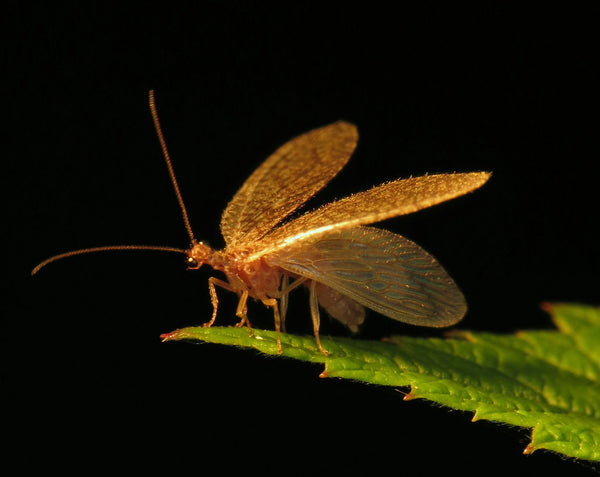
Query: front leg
x=212 y=281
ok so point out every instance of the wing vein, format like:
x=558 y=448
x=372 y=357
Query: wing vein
x=388 y=200
x=389 y=274
x=286 y=180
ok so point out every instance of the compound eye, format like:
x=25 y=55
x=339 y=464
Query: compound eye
x=192 y=263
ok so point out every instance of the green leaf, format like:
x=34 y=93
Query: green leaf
x=548 y=381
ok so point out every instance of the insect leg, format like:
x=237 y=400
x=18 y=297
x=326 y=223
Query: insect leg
x=286 y=287
x=283 y=301
x=272 y=302
x=283 y=293
x=212 y=281
x=294 y=284
x=242 y=312
x=316 y=317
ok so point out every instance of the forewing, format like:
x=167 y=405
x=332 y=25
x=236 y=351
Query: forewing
x=287 y=179
x=399 y=197
x=382 y=271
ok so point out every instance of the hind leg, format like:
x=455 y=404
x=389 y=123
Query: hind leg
x=283 y=300
x=283 y=294
x=316 y=316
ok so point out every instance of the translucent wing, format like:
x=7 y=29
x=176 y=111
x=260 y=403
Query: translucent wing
x=287 y=179
x=380 y=270
x=399 y=197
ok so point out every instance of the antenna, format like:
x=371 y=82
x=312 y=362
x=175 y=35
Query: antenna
x=163 y=146
x=108 y=248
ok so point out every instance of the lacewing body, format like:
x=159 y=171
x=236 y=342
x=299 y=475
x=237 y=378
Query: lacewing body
x=346 y=265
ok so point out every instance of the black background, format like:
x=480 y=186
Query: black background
x=431 y=89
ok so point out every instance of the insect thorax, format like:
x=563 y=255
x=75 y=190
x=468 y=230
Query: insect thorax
x=261 y=279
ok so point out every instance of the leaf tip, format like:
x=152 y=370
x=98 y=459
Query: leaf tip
x=410 y=396
x=173 y=335
x=547 y=306
x=324 y=374
x=529 y=449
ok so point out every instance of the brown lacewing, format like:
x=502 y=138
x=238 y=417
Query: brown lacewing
x=345 y=265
